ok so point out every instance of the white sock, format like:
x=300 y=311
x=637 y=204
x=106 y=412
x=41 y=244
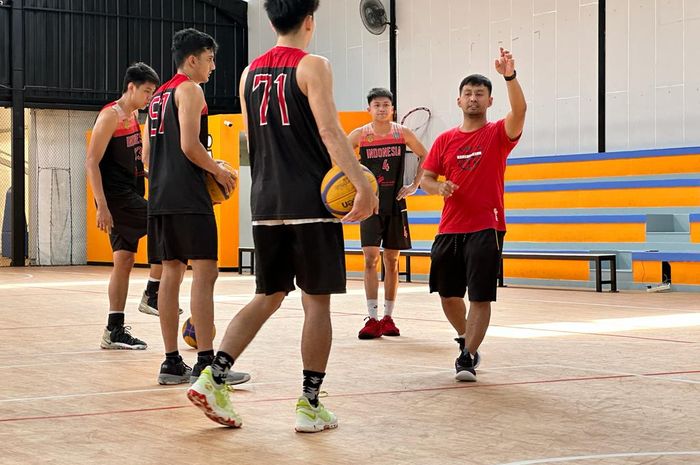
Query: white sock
x=372 y=305
x=153 y=280
x=389 y=307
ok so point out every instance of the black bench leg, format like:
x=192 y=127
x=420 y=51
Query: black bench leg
x=500 y=274
x=598 y=275
x=613 y=275
x=408 y=268
x=240 y=262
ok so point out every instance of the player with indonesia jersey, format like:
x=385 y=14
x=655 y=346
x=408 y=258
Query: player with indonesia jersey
x=382 y=146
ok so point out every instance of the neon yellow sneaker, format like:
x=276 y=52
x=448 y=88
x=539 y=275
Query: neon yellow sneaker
x=310 y=419
x=213 y=400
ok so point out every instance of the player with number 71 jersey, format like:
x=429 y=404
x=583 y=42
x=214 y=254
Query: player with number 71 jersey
x=285 y=147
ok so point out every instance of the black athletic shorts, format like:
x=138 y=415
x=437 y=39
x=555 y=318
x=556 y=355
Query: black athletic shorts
x=466 y=261
x=314 y=253
x=129 y=215
x=388 y=231
x=182 y=237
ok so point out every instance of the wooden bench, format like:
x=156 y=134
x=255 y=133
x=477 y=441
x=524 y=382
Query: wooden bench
x=597 y=258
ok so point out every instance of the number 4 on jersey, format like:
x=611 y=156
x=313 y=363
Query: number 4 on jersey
x=266 y=81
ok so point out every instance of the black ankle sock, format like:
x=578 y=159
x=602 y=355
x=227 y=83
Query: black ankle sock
x=115 y=320
x=173 y=355
x=152 y=288
x=312 y=385
x=220 y=367
x=205 y=355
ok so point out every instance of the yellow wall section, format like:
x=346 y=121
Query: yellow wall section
x=546 y=269
x=605 y=168
x=685 y=272
x=644 y=197
x=681 y=272
x=646 y=272
x=694 y=232
x=593 y=232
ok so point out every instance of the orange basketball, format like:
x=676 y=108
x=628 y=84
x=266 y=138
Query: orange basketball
x=216 y=190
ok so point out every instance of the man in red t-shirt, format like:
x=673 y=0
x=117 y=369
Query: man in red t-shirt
x=467 y=249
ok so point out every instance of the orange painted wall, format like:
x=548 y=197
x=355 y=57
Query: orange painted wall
x=694 y=232
x=224 y=146
x=681 y=272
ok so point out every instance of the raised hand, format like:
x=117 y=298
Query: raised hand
x=505 y=64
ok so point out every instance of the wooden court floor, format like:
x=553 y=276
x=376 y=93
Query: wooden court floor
x=568 y=376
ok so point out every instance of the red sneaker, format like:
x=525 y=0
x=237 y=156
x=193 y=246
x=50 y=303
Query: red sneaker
x=388 y=327
x=372 y=329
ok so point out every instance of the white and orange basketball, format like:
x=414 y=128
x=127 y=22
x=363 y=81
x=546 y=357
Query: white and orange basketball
x=338 y=193
x=216 y=190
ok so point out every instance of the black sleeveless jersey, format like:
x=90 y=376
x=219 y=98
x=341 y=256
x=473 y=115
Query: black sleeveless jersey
x=175 y=184
x=121 y=167
x=287 y=157
x=385 y=156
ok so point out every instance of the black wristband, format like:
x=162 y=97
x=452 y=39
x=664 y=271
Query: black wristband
x=511 y=77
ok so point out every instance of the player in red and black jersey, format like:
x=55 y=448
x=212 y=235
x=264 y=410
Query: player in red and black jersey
x=116 y=174
x=382 y=146
x=181 y=223
x=467 y=249
x=293 y=135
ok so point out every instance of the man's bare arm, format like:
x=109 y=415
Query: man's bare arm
x=105 y=126
x=315 y=79
x=190 y=102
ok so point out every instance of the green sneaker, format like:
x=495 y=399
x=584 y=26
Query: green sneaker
x=310 y=419
x=213 y=400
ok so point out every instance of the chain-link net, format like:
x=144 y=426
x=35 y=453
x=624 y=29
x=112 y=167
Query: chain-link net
x=57 y=232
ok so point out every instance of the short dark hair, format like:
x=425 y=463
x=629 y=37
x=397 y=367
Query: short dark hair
x=140 y=73
x=476 y=80
x=191 y=42
x=287 y=15
x=379 y=92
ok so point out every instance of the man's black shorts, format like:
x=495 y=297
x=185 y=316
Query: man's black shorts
x=129 y=215
x=466 y=261
x=314 y=253
x=388 y=231
x=182 y=237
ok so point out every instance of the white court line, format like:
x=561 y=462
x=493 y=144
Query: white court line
x=603 y=456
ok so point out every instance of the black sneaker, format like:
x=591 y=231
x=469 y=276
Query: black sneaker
x=149 y=304
x=233 y=377
x=464 y=367
x=462 y=345
x=174 y=371
x=121 y=338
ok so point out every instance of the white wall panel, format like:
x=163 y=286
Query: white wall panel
x=692 y=75
x=652 y=69
x=617 y=130
x=669 y=116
